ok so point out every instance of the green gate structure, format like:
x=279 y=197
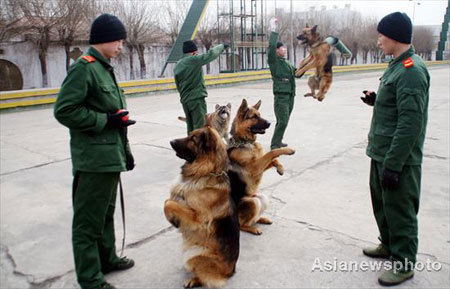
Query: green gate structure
x=443 y=38
x=241 y=24
x=187 y=31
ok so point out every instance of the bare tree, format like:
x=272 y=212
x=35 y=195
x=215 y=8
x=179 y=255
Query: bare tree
x=423 y=41
x=350 y=34
x=42 y=16
x=173 y=16
x=141 y=20
x=73 y=24
x=207 y=34
x=368 y=38
x=11 y=20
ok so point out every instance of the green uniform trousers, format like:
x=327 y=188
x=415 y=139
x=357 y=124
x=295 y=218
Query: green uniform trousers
x=283 y=105
x=93 y=239
x=396 y=212
x=195 y=111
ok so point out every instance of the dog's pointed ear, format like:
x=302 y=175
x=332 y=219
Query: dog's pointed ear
x=217 y=106
x=206 y=139
x=307 y=26
x=313 y=30
x=229 y=105
x=206 y=120
x=243 y=108
x=257 y=105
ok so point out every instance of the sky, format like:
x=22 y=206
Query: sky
x=426 y=12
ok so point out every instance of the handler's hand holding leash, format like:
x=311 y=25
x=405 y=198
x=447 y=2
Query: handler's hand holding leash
x=120 y=119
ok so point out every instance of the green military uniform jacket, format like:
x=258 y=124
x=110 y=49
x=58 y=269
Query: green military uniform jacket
x=282 y=71
x=189 y=74
x=88 y=93
x=400 y=113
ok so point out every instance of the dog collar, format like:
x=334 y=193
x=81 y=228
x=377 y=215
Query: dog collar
x=223 y=173
x=234 y=143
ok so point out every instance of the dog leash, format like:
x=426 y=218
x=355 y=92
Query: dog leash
x=122 y=206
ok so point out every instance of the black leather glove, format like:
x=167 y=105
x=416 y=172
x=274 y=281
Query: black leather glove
x=114 y=120
x=225 y=45
x=389 y=179
x=369 y=99
x=130 y=161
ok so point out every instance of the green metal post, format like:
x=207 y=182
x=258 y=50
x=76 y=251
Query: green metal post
x=335 y=42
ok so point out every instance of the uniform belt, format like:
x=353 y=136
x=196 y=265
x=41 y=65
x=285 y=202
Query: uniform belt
x=282 y=79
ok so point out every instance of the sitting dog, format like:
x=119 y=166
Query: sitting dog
x=200 y=206
x=219 y=120
x=320 y=58
x=247 y=165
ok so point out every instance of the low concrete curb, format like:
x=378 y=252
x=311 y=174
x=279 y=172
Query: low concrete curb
x=36 y=97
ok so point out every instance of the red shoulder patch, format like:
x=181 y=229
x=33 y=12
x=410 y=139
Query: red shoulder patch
x=88 y=58
x=407 y=63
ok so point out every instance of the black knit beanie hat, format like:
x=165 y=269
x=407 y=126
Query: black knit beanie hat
x=107 y=28
x=189 y=46
x=396 y=26
x=279 y=44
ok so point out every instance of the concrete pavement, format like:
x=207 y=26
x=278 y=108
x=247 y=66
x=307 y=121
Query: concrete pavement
x=320 y=207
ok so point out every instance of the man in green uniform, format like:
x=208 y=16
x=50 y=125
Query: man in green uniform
x=395 y=146
x=190 y=83
x=91 y=105
x=283 y=85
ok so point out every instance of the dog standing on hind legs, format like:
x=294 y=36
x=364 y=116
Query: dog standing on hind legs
x=219 y=120
x=321 y=58
x=201 y=207
x=247 y=165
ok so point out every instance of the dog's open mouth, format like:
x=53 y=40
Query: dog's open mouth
x=302 y=38
x=258 y=130
x=224 y=115
x=260 y=127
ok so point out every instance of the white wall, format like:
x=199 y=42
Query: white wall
x=25 y=56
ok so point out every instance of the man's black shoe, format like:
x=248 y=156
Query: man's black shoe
x=106 y=285
x=123 y=264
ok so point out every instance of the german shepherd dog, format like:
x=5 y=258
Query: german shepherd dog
x=247 y=165
x=320 y=58
x=219 y=120
x=201 y=207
